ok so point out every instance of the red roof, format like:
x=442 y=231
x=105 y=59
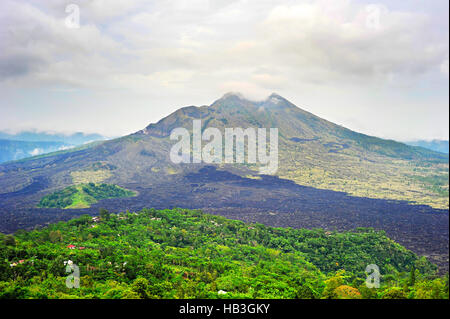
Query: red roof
x=71 y=246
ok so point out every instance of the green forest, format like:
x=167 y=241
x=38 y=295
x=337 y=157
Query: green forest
x=188 y=254
x=83 y=195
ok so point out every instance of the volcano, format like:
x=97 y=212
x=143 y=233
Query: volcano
x=328 y=176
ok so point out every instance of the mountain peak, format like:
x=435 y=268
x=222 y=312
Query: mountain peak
x=231 y=99
x=237 y=96
x=233 y=95
x=238 y=100
x=274 y=98
x=275 y=95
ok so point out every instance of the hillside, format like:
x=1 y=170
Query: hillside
x=188 y=254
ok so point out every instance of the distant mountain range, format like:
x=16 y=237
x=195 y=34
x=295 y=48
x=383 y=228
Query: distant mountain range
x=34 y=136
x=29 y=143
x=435 y=145
x=16 y=150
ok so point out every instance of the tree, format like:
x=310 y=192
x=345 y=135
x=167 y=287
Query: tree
x=412 y=276
x=332 y=283
x=55 y=236
x=140 y=287
x=9 y=240
x=347 y=292
x=305 y=292
x=104 y=214
x=394 y=293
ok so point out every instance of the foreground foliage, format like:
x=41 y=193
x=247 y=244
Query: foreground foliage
x=187 y=254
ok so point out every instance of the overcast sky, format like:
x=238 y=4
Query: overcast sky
x=380 y=68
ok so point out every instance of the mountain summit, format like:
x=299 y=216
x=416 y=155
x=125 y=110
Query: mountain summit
x=294 y=124
x=238 y=99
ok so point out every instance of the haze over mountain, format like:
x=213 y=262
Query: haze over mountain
x=434 y=145
x=318 y=161
x=11 y=150
x=31 y=143
x=77 y=138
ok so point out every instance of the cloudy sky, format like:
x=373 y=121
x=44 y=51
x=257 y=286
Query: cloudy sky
x=380 y=68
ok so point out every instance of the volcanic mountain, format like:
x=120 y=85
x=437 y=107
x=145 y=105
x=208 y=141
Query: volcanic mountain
x=328 y=176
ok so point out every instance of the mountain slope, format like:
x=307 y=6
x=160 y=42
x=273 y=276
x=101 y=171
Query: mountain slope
x=319 y=153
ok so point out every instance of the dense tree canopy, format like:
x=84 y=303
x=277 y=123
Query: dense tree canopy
x=187 y=254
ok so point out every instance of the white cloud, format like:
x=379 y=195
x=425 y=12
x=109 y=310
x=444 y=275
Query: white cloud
x=319 y=41
x=340 y=43
x=36 y=151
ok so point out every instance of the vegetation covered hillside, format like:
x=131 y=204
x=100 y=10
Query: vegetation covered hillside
x=83 y=195
x=188 y=254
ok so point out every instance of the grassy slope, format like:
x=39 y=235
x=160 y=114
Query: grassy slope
x=83 y=196
x=80 y=199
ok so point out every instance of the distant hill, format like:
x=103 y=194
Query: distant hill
x=15 y=150
x=30 y=143
x=34 y=136
x=435 y=145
